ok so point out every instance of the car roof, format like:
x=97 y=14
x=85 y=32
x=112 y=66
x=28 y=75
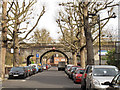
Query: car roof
x=102 y=66
x=80 y=69
x=70 y=65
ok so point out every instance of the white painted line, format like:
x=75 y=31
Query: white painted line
x=18 y=80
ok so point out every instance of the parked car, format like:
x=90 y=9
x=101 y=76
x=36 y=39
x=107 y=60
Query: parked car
x=40 y=67
x=44 y=67
x=36 y=66
x=83 y=79
x=34 y=70
x=67 y=68
x=47 y=66
x=98 y=74
x=77 y=75
x=29 y=70
x=72 y=70
x=114 y=84
x=17 y=72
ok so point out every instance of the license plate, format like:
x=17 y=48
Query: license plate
x=15 y=75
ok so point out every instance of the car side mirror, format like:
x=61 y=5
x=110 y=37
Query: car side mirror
x=90 y=74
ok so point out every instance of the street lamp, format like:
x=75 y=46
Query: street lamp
x=99 y=40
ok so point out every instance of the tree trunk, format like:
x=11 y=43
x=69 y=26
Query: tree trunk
x=16 y=49
x=4 y=37
x=89 y=43
x=82 y=58
x=74 y=58
x=16 y=42
x=82 y=43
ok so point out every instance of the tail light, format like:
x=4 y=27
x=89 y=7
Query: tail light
x=85 y=75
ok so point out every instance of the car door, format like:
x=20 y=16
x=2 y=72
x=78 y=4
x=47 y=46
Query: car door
x=116 y=83
x=89 y=77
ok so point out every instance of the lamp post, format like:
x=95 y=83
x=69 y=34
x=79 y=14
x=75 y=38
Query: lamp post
x=99 y=40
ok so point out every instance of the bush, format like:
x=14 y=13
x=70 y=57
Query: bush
x=111 y=60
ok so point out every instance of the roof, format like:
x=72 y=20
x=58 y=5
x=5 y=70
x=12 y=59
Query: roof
x=103 y=66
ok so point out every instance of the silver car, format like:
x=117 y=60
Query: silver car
x=98 y=74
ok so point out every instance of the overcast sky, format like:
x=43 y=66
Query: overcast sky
x=48 y=20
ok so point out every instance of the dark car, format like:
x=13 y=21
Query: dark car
x=18 y=72
x=61 y=66
x=115 y=84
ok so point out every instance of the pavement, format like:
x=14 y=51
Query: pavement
x=6 y=77
x=0 y=83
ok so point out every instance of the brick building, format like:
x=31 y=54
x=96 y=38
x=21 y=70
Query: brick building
x=58 y=59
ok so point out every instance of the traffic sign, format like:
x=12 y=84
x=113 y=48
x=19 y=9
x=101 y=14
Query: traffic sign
x=37 y=55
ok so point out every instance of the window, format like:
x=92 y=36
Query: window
x=118 y=80
x=104 y=72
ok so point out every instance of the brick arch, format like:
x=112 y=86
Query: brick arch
x=54 y=51
x=28 y=59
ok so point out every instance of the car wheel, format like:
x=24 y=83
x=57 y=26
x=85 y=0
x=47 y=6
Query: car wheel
x=10 y=77
x=83 y=87
x=70 y=76
x=90 y=87
x=74 y=81
x=58 y=69
x=23 y=76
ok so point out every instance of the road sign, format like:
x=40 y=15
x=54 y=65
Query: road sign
x=37 y=55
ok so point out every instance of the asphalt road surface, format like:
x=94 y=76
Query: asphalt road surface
x=47 y=79
x=0 y=85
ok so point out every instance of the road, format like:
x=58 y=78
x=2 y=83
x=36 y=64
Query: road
x=47 y=79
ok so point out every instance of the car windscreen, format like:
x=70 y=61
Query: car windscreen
x=34 y=65
x=68 y=67
x=74 y=68
x=80 y=71
x=105 y=71
x=17 y=69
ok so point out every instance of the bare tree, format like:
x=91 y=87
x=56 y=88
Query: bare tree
x=83 y=19
x=41 y=36
x=4 y=37
x=18 y=18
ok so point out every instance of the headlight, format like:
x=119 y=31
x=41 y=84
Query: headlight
x=21 y=73
x=96 y=82
x=10 y=73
